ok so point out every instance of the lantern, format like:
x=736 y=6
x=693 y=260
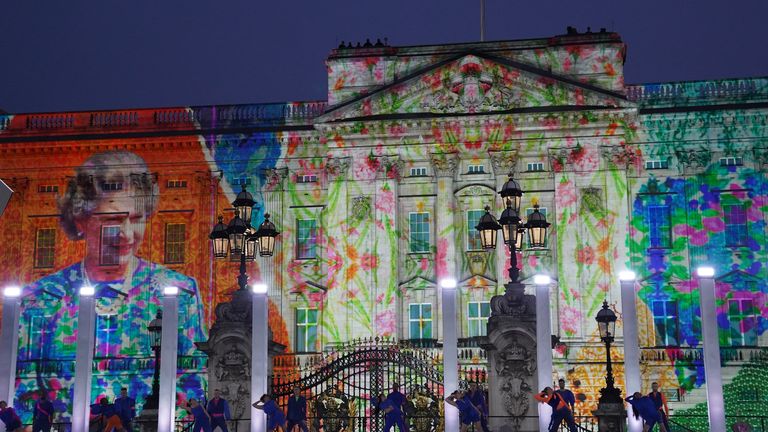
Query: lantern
x=156 y=330
x=488 y=227
x=510 y=224
x=220 y=237
x=243 y=204
x=236 y=230
x=511 y=190
x=251 y=246
x=606 y=323
x=537 y=228
x=266 y=237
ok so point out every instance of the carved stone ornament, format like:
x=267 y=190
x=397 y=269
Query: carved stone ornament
x=513 y=302
x=233 y=366
x=592 y=200
x=694 y=159
x=337 y=167
x=515 y=366
x=238 y=309
x=390 y=167
x=445 y=164
x=503 y=162
x=761 y=155
x=275 y=177
x=622 y=155
x=470 y=88
x=361 y=207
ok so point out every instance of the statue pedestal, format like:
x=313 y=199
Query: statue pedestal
x=511 y=348
x=229 y=353
x=146 y=422
x=611 y=417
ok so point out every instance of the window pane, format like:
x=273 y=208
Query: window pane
x=427 y=330
x=110 y=242
x=472 y=310
x=735 y=224
x=419 y=231
x=659 y=226
x=485 y=309
x=473 y=236
x=414 y=311
x=306 y=238
x=175 y=237
x=426 y=311
x=45 y=245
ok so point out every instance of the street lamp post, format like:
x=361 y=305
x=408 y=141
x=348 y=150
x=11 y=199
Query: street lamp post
x=241 y=241
x=513 y=301
x=610 y=409
x=155 y=331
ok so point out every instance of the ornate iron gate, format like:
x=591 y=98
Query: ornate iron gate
x=339 y=385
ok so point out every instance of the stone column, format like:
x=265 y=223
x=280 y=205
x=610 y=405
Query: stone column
x=86 y=320
x=512 y=361
x=169 y=350
x=445 y=166
x=9 y=339
x=336 y=227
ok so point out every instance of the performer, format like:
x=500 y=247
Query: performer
x=126 y=409
x=468 y=413
x=567 y=395
x=560 y=409
x=297 y=411
x=202 y=419
x=218 y=408
x=106 y=416
x=643 y=407
x=10 y=418
x=660 y=401
x=42 y=415
x=275 y=417
x=393 y=415
x=478 y=400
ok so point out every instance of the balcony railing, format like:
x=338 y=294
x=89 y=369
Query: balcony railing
x=728 y=355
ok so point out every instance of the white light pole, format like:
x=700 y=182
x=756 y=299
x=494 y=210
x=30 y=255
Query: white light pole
x=169 y=349
x=450 y=351
x=86 y=320
x=259 y=353
x=631 y=341
x=9 y=338
x=543 y=344
x=710 y=340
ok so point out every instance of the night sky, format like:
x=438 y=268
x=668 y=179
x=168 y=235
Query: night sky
x=78 y=55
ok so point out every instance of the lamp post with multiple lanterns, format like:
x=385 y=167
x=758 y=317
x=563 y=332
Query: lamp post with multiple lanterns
x=242 y=242
x=512 y=227
x=606 y=323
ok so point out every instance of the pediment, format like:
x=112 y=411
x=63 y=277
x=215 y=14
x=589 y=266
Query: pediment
x=475 y=83
x=418 y=283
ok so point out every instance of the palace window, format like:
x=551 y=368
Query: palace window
x=735 y=224
x=107 y=339
x=731 y=161
x=307 y=178
x=175 y=242
x=419 y=172
x=420 y=320
x=306 y=329
x=45 y=247
x=656 y=164
x=477 y=318
x=47 y=189
x=110 y=243
x=665 y=321
x=37 y=344
x=473 y=236
x=659 y=226
x=535 y=166
x=176 y=184
x=238 y=181
x=419 y=232
x=111 y=186
x=743 y=323
x=476 y=169
x=306 y=238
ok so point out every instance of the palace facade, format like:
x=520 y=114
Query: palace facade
x=376 y=193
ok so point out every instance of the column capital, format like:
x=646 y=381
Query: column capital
x=503 y=161
x=337 y=167
x=390 y=167
x=445 y=164
x=275 y=178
